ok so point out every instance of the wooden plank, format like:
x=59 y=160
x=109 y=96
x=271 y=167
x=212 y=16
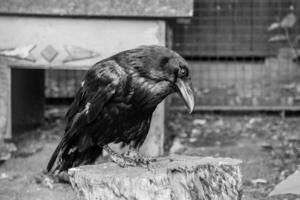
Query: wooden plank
x=105 y=36
x=136 y=8
x=237 y=108
x=9 y=109
x=274 y=82
x=154 y=144
x=26 y=65
x=5 y=103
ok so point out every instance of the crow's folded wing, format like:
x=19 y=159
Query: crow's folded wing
x=99 y=86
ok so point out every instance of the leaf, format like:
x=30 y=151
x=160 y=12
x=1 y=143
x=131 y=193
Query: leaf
x=290 y=185
x=289 y=21
x=278 y=38
x=288 y=53
x=274 y=26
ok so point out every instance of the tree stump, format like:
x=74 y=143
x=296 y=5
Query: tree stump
x=169 y=178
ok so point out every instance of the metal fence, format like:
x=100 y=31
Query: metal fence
x=234 y=65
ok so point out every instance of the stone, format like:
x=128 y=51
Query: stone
x=6 y=149
x=177 y=146
x=169 y=178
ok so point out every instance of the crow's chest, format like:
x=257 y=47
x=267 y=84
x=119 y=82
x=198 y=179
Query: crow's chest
x=127 y=124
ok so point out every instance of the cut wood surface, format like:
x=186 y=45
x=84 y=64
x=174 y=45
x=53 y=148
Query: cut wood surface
x=169 y=178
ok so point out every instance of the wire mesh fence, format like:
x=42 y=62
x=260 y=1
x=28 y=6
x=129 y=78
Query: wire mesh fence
x=234 y=65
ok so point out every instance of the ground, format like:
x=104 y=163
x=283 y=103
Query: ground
x=268 y=145
x=21 y=177
x=265 y=143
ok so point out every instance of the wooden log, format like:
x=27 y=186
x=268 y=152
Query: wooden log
x=169 y=178
x=154 y=143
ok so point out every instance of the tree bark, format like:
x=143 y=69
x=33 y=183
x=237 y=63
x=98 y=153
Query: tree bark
x=168 y=178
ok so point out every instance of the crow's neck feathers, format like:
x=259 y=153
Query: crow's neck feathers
x=149 y=83
x=148 y=92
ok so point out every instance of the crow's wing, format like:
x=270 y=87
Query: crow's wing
x=100 y=84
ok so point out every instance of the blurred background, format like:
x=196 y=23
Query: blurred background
x=234 y=64
x=243 y=54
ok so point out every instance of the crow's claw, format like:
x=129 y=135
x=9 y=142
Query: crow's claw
x=140 y=160
x=119 y=159
x=122 y=161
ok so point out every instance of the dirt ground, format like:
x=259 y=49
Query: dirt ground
x=21 y=177
x=267 y=145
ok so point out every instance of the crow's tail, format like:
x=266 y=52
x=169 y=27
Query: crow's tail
x=64 y=158
x=50 y=167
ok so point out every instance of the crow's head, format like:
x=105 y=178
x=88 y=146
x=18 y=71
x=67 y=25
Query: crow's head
x=166 y=69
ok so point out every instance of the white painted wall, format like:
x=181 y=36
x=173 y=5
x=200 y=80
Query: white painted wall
x=105 y=36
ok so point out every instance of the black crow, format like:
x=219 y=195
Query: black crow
x=115 y=104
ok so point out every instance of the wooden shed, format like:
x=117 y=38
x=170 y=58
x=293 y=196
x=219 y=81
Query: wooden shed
x=70 y=35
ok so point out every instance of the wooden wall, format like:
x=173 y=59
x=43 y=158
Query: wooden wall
x=274 y=82
x=5 y=98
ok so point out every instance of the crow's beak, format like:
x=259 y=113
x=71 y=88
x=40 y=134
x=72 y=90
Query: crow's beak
x=186 y=92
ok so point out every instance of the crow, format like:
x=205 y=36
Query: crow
x=115 y=104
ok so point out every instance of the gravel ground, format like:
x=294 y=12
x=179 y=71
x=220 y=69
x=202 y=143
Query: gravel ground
x=266 y=144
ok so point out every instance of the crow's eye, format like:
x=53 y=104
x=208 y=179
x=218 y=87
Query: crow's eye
x=183 y=72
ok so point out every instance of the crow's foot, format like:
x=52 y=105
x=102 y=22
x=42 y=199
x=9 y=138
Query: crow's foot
x=63 y=177
x=119 y=159
x=140 y=160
